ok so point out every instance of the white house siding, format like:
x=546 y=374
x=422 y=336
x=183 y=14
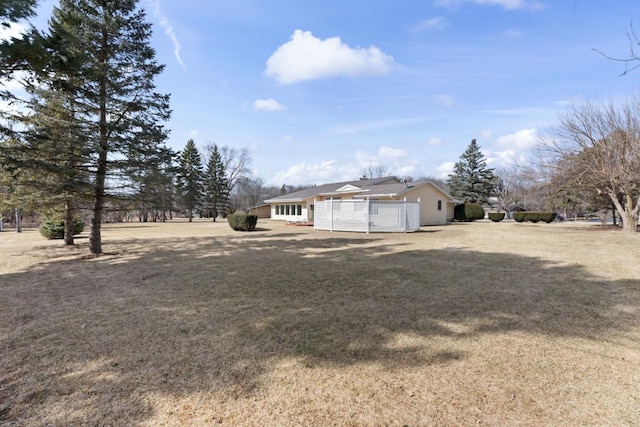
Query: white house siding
x=278 y=209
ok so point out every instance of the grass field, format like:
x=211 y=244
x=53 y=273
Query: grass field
x=193 y=324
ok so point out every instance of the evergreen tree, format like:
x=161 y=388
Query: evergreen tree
x=472 y=181
x=152 y=177
x=57 y=155
x=106 y=62
x=217 y=192
x=190 y=177
x=14 y=10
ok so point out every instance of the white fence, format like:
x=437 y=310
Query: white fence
x=367 y=216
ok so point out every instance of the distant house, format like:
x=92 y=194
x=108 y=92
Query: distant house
x=436 y=204
x=263 y=211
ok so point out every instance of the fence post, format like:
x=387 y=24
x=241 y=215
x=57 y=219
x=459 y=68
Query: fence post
x=331 y=214
x=368 y=215
x=18 y=221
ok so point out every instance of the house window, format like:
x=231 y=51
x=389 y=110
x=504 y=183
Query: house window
x=439 y=205
x=277 y=209
x=299 y=210
x=288 y=209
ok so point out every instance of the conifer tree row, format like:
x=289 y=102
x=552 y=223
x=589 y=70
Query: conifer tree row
x=99 y=115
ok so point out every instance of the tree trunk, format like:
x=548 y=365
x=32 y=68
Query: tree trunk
x=68 y=223
x=628 y=212
x=95 y=239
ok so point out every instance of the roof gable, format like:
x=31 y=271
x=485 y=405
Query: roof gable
x=348 y=188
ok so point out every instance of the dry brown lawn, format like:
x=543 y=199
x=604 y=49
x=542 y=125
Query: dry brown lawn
x=193 y=324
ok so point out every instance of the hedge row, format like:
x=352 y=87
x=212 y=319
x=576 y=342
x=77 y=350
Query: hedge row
x=468 y=212
x=496 y=216
x=54 y=229
x=534 y=216
x=242 y=222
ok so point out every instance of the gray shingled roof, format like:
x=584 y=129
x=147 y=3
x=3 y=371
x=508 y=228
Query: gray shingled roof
x=378 y=187
x=301 y=195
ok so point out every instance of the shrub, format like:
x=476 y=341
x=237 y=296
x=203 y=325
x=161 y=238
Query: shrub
x=534 y=216
x=468 y=212
x=54 y=228
x=242 y=222
x=548 y=217
x=519 y=216
x=496 y=216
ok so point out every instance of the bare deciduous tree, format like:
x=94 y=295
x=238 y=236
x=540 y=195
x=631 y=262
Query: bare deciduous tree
x=632 y=62
x=373 y=170
x=508 y=189
x=236 y=162
x=599 y=144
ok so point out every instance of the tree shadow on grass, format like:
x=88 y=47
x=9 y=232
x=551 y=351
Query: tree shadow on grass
x=84 y=341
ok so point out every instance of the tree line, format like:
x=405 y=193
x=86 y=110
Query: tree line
x=86 y=134
x=588 y=162
x=89 y=135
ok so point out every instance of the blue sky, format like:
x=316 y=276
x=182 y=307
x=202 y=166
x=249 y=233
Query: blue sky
x=318 y=90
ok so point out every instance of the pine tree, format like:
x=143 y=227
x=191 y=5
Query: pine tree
x=472 y=181
x=105 y=60
x=152 y=177
x=217 y=197
x=14 y=10
x=57 y=154
x=190 y=177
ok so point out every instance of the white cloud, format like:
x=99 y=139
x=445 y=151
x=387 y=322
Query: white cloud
x=267 y=105
x=168 y=30
x=193 y=134
x=305 y=57
x=521 y=140
x=505 y=159
x=446 y=99
x=14 y=30
x=391 y=153
x=395 y=162
x=507 y=4
x=445 y=169
x=437 y=23
x=309 y=174
x=404 y=171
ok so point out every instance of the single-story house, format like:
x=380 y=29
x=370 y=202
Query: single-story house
x=436 y=204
